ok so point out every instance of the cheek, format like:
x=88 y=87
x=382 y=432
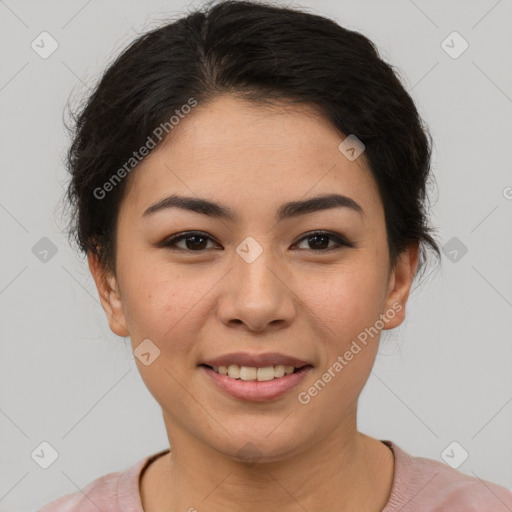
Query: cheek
x=163 y=308
x=347 y=310
x=153 y=300
x=346 y=307
x=346 y=301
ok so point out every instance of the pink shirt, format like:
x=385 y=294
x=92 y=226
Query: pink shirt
x=419 y=485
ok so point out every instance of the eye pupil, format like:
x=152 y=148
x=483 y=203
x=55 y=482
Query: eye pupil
x=196 y=245
x=315 y=239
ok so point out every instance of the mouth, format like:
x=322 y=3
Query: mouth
x=255 y=377
x=253 y=373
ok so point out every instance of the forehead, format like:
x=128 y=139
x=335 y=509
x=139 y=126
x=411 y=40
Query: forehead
x=242 y=152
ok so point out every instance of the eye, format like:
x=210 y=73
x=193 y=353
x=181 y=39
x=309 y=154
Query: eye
x=195 y=241
x=320 y=241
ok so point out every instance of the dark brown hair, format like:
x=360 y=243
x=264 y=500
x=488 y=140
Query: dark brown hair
x=263 y=53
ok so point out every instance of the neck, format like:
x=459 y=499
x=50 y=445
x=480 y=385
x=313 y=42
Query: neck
x=345 y=471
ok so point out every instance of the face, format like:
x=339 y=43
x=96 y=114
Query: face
x=263 y=280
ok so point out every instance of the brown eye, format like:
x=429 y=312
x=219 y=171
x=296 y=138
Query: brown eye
x=193 y=241
x=319 y=241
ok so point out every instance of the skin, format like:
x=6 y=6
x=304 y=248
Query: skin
x=197 y=305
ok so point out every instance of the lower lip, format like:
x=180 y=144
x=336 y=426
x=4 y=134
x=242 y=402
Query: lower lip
x=256 y=391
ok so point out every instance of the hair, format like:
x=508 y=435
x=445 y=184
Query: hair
x=262 y=53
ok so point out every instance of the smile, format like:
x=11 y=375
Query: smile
x=255 y=384
x=266 y=373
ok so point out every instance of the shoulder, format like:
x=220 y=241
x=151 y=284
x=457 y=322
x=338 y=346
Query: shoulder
x=93 y=496
x=426 y=484
x=116 y=492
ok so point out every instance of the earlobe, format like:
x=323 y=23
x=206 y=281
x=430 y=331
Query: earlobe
x=110 y=298
x=400 y=282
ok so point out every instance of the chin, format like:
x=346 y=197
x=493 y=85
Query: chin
x=252 y=448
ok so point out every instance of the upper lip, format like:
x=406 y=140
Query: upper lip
x=255 y=360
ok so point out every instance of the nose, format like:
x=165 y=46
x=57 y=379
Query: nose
x=256 y=296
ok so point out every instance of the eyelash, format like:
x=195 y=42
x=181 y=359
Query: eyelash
x=171 y=242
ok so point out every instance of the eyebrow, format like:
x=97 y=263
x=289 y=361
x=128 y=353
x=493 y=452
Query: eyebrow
x=285 y=211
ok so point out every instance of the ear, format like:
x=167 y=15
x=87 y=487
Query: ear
x=110 y=298
x=399 y=287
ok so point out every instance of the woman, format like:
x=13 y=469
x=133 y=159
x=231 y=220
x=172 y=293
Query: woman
x=249 y=185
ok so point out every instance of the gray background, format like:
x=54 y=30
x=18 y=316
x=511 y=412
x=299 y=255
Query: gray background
x=442 y=376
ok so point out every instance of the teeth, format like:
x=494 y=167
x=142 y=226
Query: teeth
x=280 y=370
x=251 y=373
x=247 y=373
x=233 y=371
x=266 y=373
